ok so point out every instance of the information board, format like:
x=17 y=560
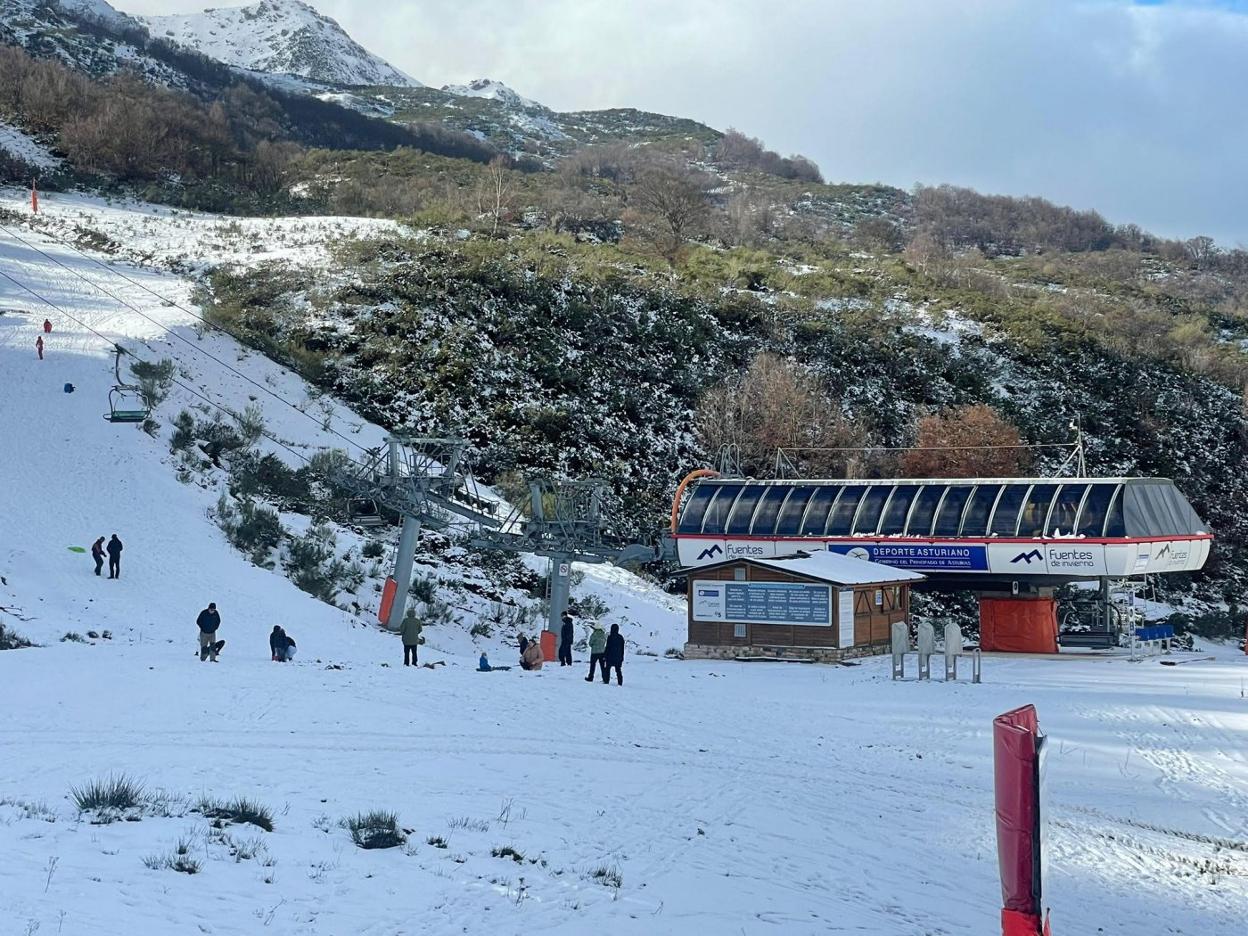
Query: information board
x=763 y=603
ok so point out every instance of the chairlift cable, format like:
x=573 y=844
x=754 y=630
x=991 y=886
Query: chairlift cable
x=115 y=344
x=166 y=328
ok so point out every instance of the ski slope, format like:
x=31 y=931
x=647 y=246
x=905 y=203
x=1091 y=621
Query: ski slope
x=746 y=798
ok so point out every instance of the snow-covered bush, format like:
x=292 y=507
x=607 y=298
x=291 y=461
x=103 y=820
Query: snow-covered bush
x=155 y=378
x=238 y=811
x=251 y=528
x=113 y=794
x=375 y=829
x=12 y=640
x=312 y=565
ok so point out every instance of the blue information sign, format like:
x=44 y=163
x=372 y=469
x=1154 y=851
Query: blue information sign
x=777 y=603
x=923 y=557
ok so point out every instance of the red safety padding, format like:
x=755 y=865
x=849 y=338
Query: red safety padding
x=1018 y=625
x=1015 y=751
x=548 y=647
x=1022 y=924
x=388 y=592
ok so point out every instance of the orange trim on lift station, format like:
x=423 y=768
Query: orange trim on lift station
x=680 y=489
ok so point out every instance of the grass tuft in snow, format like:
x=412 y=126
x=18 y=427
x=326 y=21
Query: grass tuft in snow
x=177 y=860
x=113 y=793
x=239 y=811
x=608 y=876
x=376 y=829
x=12 y=640
x=507 y=851
x=437 y=841
x=73 y=637
x=472 y=825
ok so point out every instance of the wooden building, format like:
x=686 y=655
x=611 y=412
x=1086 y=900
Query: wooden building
x=814 y=606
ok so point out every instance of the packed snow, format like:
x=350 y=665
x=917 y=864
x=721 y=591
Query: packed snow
x=26 y=148
x=699 y=797
x=190 y=241
x=282 y=36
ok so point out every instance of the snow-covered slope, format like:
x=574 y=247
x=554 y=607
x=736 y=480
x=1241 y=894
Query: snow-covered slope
x=494 y=91
x=697 y=798
x=281 y=36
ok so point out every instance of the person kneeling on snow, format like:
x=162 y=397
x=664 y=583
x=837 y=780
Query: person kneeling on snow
x=532 y=659
x=282 y=646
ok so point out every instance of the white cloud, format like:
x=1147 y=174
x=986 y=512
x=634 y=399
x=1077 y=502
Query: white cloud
x=1137 y=111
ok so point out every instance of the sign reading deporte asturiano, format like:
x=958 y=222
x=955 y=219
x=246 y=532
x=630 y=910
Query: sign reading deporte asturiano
x=762 y=603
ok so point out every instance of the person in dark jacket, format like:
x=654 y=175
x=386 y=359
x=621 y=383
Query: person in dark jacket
x=209 y=621
x=97 y=553
x=114 y=557
x=524 y=645
x=281 y=644
x=613 y=657
x=566 y=635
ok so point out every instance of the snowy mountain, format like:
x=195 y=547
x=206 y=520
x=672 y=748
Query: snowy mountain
x=494 y=91
x=282 y=37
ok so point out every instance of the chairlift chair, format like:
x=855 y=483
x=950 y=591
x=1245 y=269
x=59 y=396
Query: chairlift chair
x=364 y=512
x=127 y=403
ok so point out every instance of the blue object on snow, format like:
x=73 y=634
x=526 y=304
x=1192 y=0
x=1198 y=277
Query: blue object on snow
x=484 y=665
x=69 y=388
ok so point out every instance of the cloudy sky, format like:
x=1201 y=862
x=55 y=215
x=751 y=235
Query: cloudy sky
x=1137 y=109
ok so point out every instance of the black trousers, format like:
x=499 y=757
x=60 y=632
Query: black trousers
x=409 y=655
x=114 y=566
x=595 y=660
x=606 y=673
x=565 y=654
x=99 y=564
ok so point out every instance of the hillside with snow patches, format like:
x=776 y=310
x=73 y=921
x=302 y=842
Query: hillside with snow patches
x=280 y=36
x=699 y=797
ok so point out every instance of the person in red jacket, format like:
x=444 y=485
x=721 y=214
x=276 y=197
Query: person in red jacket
x=47 y=326
x=39 y=346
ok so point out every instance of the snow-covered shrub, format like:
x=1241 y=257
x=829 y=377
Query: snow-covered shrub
x=608 y=876
x=238 y=811
x=591 y=606
x=373 y=549
x=12 y=640
x=73 y=637
x=507 y=851
x=155 y=378
x=250 y=527
x=375 y=829
x=115 y=793
x=312 y=564
x=183 y=433
x=251 y=424
x=482 y=629
x=177 y=860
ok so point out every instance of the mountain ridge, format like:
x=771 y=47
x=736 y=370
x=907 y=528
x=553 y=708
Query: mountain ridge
x=286 y=37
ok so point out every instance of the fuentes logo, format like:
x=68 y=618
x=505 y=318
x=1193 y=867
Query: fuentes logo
x=1027 y=557
x=711 y=552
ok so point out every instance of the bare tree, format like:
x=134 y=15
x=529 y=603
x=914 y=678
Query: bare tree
x=967 y=442
x=775 y=404
x=495 y=196
x=676 y=199
x=1201 y=250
